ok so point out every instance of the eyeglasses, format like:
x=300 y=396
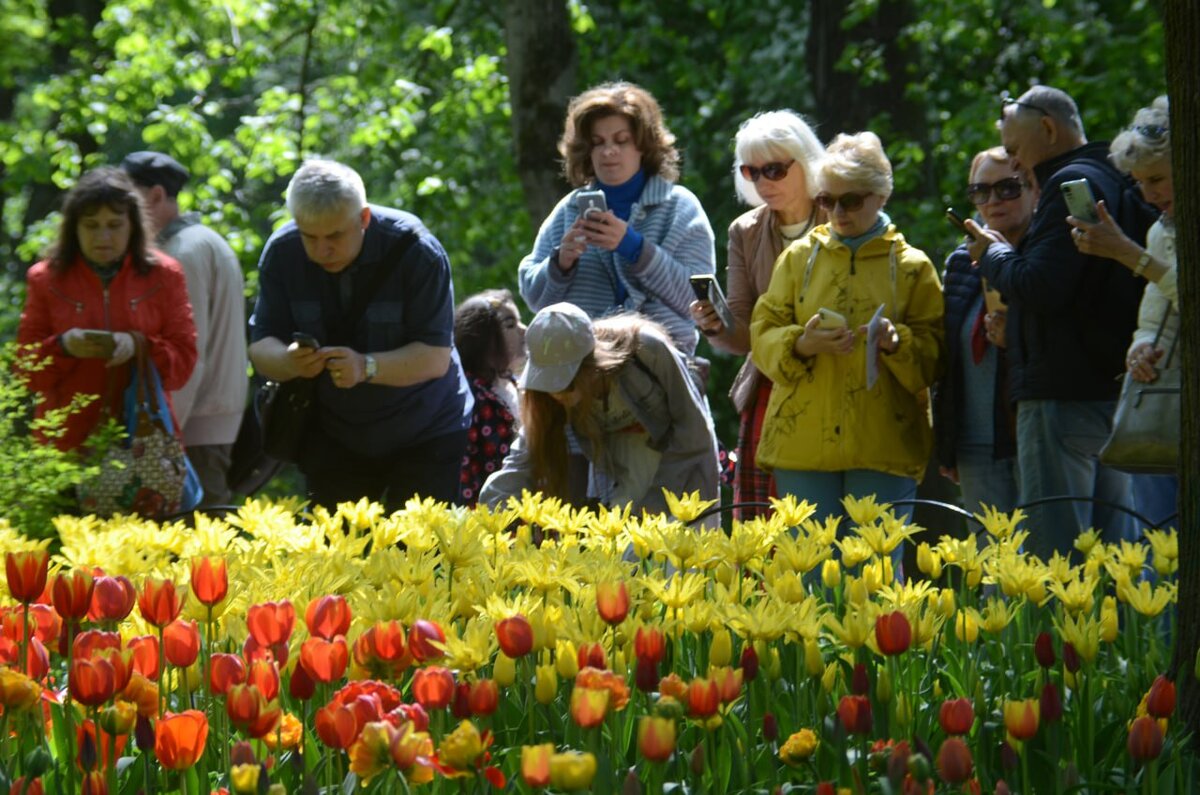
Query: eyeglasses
x=1152 y=132
x=849 y=201
x=1005 y=189
x=1006 y=101
x=772 y=171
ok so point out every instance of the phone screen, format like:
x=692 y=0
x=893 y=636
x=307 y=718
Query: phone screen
x=700 y=288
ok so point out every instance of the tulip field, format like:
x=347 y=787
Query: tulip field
x=447 y=650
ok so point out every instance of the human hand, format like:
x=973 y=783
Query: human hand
x=949 y=473
x=981 y=238
x=347 y=367
x=815 y=340
x=996 y=324
x=572 y=245
x=705 y=316
x=305 y=362
x=888 y=339
x=1103 y=239
x=123 y=349
x=1141 y=360
x=604 y=230
x=82 y=344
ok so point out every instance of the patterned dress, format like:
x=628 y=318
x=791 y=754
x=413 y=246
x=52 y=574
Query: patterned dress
x=492 y=431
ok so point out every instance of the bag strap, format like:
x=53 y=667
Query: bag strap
x=1158 y=336
x=339 y=334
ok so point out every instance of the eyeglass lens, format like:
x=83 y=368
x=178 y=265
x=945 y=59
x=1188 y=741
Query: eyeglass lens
x=849 y=201
x=1005 y=189
x=773 y=171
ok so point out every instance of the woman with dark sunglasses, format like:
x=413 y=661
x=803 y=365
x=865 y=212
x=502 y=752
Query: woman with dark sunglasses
x=776 y=155
x=973 y=423
x=850 y=334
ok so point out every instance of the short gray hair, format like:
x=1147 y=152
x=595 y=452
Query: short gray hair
x=775 y=134
x=858 y=159
x=1052 y=102
x=1145 y=141
x=320 y=188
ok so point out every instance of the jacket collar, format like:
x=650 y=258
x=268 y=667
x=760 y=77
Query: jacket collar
x=1096 y=150
x=824 y=235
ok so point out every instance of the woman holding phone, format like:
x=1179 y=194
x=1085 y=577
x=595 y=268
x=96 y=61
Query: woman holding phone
x=776 y=155
x=629 y=236
x=100 y=285
x=847 y=412
x=973 y=423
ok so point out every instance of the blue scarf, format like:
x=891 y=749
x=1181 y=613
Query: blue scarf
x=877 y=229
x=621 y=199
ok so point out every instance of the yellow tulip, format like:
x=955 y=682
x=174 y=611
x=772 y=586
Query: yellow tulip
x=814 y=665
x=946 y=602
x=928 y=561
x=545 y=684
x=504 y=670
x=883 y=684
x=966 y=626
x=572 y=770
x=772 y=664
x=856 y=592
x=566 y=658
x=720 y=653
x=831 y=574
x=829 y=679
x=245 y=778
x=1109 y=624
x=799 y=748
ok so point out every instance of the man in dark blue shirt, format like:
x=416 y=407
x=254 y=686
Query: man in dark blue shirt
x=371 y=286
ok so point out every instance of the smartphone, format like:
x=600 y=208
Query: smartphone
x=1080 y=201
x=706 y=288
x=957 y=220
x=103 y=340
x=831 y=319
x=591 y=201
x=305 y=340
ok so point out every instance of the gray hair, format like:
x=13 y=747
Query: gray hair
x=1145 y=141
x=1052 y=102
x=321 y=188
x=775 y=134
x=859 y=160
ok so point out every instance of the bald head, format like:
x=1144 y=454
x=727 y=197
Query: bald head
x=1043 y=124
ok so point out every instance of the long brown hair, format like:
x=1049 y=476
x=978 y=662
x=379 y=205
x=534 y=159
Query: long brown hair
x=545 y=419
x=112 y=188
x=650 y=133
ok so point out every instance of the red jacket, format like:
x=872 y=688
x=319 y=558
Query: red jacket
x=155 y=304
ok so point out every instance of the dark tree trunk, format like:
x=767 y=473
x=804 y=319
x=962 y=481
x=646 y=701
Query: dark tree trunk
x=1182 y=28
x=541 y=76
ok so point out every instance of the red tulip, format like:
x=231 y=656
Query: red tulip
x=267 y=721
x=181 y=643
x=337 y=726
x=159 y=602
x=591 y=655
x=327 y=617
x=112 y=599
x=271 y=623
x=1043 y=650
x=37 y=660
x=484 y=697
x=93 y=783
x=860 y=680
x=20 y=787
x=656 y=738
x=646 y=676
x=515 y=636
x=325 y=660
x=179 y=739
x=855 y=714
x=387 y=640
x=301 y=686
x=72 y=594
x=703 y=698
x=826 y=788
x=893 y=633
x=649 y=644
x=612 y=601
x=433 y=687
x=954 y=761
x=243 y=703
x=420 y=637
x=1071 y=657
x=957 y=716
x=1050 y=703
x=27 y=574
x=88 y=642
x=460 y=705
x=91 y=681
x=749 y=663
x=1160 y=702
x=122 y=666
x=253 y=651
x=145 y=656
x=1145 y=739
x=729 y=683
x=225 y=671
x=44 y=620
x=264 y=675
x=770 y=727
x=210 y=580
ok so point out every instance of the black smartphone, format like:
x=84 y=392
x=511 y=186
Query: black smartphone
x=705 y=286
x=958 y=222
x=305 y=340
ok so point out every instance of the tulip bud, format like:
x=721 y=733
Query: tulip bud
x=646 y=676
x=566 y=659
x=860 y=682
x=1160 y=701
x=143 y=734
x=504 y=670
x=1001 y=788
x=883 y=685
x=696 y=760
x=1050 y=704
x=1071 y=657
x=749 y=663
x=966 y=627
x=903 y=710
x=1043 y=650
x=774 y=665
x=830 y=677
x=947 y=603
x=1109 y=623
x=546 y=684
x=38 y=761
x=918 y=767
x=618 y=664
x=856 y=592
x=632 y=785
x=770 y=727
x=814 y=665
x=831 y=574
x=721 y=651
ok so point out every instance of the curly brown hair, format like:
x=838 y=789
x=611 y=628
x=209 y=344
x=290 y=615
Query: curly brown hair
x=653 y=139
x=112 y=188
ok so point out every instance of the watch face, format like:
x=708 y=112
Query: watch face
x=371 y=367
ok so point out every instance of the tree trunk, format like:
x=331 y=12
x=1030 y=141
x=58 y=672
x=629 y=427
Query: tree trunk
x=541 y=77
x=1182 y=29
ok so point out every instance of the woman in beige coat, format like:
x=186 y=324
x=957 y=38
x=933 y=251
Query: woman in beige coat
x=774 y=171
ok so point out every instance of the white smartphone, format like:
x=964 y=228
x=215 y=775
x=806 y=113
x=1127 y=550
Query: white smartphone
x=705 y=286
x=590 y=201
x=831 y=319
x=1080 y=201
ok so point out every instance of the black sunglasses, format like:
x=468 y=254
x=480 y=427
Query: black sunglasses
x=772 y=171
x=1152 y=132
x=1006 y=101
x=1005 y=189
x=849 y=201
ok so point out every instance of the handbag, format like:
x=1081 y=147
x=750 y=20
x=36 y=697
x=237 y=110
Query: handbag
x=148 y=473
x=1145 y=428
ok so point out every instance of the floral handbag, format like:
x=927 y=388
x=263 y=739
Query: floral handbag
x=148 y=473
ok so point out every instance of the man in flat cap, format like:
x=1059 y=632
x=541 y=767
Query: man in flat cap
x=209 y=407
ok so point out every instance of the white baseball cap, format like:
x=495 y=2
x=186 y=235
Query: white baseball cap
x=558 y=339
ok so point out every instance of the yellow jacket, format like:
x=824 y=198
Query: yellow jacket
x=821 y=416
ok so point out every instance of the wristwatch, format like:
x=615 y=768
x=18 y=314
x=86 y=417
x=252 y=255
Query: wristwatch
x=371 y=366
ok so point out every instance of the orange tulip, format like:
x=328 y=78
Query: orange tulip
x=325 y=660
x=612 y=601
x=159 y=601
x=122 y=665
x=72 y=594
x=143 y=694
x=337 y=726
x=433 y=687
x=387 y=640
x=210 y=580
x=46 y=623
x=729 y=683
x=20 y=787
x=954 y=762
x=957 y=716
x=855 y=714
x=271 y=622
x=93 y=783
x=1145 y=739
x=112 y=599
x=181 y=643
x=27 y=574
x=90 y=641
x=1021 y=718
x=515 y=635
x=703 y=698
x=588 y=706
x=1160 y=702
x=179 y=739
x=225 y=671
x=649 y=644
x=269 y=718
x=264 y=675
x=99 y=745
x=484 y=697
x=420 y=637
x=591 y=655
x=535 y=764
x=37 y=660
x=600 y=679
x=893 y=633
x=656 y=738
x=145 y=656
x=243 y=703
x=328 y=617
x=90 y=681
x=671 y=685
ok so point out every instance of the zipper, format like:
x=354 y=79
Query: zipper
x=78 y=304
x=107 y=320
x=853 y=256
x=133 y=302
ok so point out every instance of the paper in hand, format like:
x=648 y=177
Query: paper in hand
x=873 y=329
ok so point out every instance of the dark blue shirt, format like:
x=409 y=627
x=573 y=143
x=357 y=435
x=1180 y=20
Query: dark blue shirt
x=413 y=303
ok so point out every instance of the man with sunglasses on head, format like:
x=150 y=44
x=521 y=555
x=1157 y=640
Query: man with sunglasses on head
x=1069 y=321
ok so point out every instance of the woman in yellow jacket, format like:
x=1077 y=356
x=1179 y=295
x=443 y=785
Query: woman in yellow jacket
x=828 y=432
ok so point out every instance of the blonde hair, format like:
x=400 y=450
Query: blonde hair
x=775 y=134
x=1145 y=141
x=859 y=160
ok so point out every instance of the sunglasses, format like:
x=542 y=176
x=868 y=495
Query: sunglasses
x=772 y=171
x=1152 y=132
x=1005 y=102
x=1005 y=189
x=849 y=201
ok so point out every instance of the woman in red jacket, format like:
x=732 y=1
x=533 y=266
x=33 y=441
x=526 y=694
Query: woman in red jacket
x=99 y=282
